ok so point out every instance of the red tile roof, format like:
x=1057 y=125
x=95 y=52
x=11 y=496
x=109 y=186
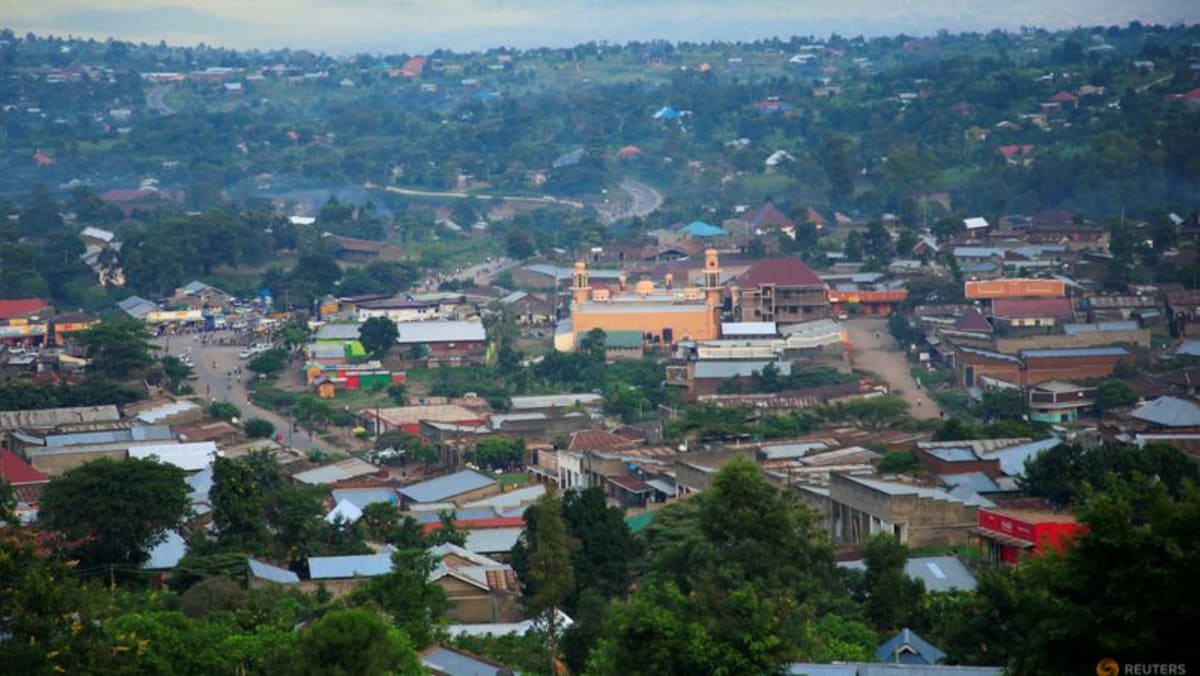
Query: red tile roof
x=972 y=320
x=780 y=272
x=1011 y=151
x=479 y=524
x=815 y=217
x=17 y=307
x=17 y=472
x=1064 y=97
x=1031 y=307
x=768 y=214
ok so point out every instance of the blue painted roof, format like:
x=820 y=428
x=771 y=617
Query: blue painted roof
x=907 y=647
x=702 y=229
x=443 y=487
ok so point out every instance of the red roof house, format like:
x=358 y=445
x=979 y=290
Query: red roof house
x=1014 y=153
x=1065 y=98
x=26 y=481
x=766 y=215
x=413 y=67
x=780 y=272
x=20 y=307
x=1025 y=308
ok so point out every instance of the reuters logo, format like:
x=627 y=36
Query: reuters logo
x=1108 y=667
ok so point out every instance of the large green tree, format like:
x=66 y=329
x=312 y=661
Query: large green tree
x=1062 y=473
x=355 y=641
x=1123 y=591
x=118 y=348
x=415 y=603
x=378 y=335
x=114 y=512
x=550 y=573
x=729 y=577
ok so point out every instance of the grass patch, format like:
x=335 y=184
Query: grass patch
x=963 y=551
x=513 y=479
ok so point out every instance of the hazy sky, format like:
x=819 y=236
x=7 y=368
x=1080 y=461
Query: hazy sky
x=344 y=26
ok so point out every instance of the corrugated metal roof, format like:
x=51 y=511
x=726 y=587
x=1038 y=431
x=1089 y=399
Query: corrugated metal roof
x=137 y=307
x=1076 y=329
x=158 y=413
x=872 y=669
x=188 y=457
x=361 y=497
x=140 y=433
x=454 y=663
x=1076 y=352
x=732 y=329
x=1189 y=348
x=446 y=487
x=514 y=498
x=344 y=511
x=440 y=332
x=952 y=454
x=907 y=645
x=891 y=488
x=1169 y=412
x=939 y=573
x=788 y=451
x=338 y=471
x=166 y=554
x=1012 y=459
x=48 y=418
x=554 y=400
x=975 y=481
x=265 y=571
x=338 y=567
x=741 y=369
x=493 y=540
x=337 y=332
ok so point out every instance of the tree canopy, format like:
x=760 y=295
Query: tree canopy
x=112 y=513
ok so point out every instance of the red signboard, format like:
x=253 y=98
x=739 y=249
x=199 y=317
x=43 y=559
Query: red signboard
x=1007 y=525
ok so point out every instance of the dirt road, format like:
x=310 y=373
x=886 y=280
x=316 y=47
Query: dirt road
x=875 y=351
x=215 y=384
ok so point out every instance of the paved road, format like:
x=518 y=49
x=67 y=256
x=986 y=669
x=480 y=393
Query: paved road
x=155 y=99
x=875 y=351
x=215 y=385
x=640 y=200
x=463 y=195
x=646 y=200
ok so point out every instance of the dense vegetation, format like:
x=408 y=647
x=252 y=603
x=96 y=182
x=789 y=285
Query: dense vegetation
x=904 y=125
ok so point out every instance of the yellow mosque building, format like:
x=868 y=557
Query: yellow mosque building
x=663 y=315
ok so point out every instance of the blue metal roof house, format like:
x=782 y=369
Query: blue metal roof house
x=446 y=488
x=908 y=648
x=700 y=229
